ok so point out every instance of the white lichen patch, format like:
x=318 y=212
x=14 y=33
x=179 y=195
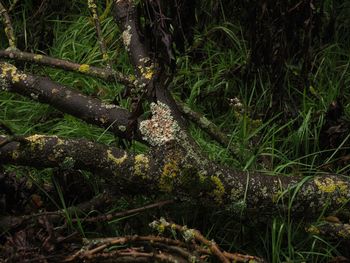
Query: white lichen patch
x=11 y=72
x=161 y=128
x=109 y=106
x=126 y=35
x=34 y=96
x=3 y=84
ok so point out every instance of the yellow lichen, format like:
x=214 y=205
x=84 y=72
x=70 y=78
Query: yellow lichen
x=84 y=68
x=36 y=141
x=15 y=155
x=8 y=69
x=146 y=72
x=38 y=57
x=219 y=189
x=170 y=171
x=328 y=185
x=313 y=230
x=141 y=165
x=116 y=160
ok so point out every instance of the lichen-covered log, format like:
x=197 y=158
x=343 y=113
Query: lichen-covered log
x=67 y=100
x=172 y=170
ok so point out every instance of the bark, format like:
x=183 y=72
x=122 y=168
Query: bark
x=67 y=100
x=172 y=170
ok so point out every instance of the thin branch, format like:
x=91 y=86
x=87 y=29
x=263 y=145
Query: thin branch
x=208 y=126
x=95 y=247
x=126 y=213
x=13 y=5
x=105 y=74
x=10 y=222
x=101 y=42
x=8 y=27
x=194 y=235
x=189 y=234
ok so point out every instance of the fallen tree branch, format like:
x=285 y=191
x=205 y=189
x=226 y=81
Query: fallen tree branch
x=67 y=100
x=172 y=170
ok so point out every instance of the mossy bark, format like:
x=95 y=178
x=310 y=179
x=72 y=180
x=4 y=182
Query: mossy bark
x=171 y=170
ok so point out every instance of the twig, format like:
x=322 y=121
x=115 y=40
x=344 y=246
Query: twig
x=125 y=213
x=189 y=234
x=8 y=27
x=11 y=222
x=13 y=5
x=95 y=247
x=208 y=126
x=102 y=73
x=193 y=234
x=101 y=42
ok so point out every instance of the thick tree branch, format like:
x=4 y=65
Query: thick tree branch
x=171 y=170
x=102 y=73
x=91 y=110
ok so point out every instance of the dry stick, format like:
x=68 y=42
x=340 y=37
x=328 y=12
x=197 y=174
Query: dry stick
x=102 y=73
x=11 y=222
x=213 y=247
x=207 y=126
x=8 y=26
x=133 y=255
x=191 y=234
x=125 y=213
x=103 y=243
x=101 y=42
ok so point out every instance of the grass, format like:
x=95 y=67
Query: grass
x=207 y=83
